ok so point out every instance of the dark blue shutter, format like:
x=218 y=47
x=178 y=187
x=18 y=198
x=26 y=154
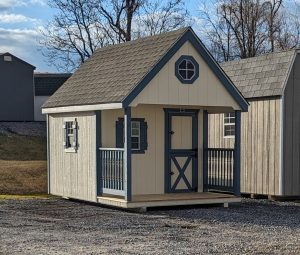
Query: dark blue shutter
x=120 y=133
x=144 y=139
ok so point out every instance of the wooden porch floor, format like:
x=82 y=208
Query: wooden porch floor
x=144 y=201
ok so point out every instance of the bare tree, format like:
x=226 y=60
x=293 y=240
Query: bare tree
x=81 y=26
x=274 y=19
x=247 y=28
x=119 y=15
x=161 y=16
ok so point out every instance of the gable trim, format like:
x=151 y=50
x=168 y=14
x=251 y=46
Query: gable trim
x=190 y=36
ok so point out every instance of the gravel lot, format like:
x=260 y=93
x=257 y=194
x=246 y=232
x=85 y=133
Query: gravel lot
x=58 y=226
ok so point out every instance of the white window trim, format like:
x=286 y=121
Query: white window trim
x=228 y=124
x=139 y=135
x=71 y=149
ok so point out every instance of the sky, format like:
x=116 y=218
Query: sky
x=20 y=22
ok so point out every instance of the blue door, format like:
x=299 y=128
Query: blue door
x=181 y=149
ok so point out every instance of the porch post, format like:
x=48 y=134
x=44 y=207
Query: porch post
x=237 y=155
x=99 y=184
x=205 y=150
x=127 y=154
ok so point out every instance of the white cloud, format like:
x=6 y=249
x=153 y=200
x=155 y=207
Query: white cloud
x=17 y=41
x=24 y=44
x=8 y=4
x=15 y=18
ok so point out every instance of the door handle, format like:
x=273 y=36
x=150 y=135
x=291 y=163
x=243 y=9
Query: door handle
x=171 y=132
x=171 y=173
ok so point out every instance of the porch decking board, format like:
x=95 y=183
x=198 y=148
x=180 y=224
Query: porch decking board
x=156 y=200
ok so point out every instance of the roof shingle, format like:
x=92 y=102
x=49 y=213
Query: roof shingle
x=45 y=84
x=261 y=76
x=112 y=72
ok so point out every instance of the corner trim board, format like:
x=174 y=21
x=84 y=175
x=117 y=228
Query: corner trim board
x=99 y=188
x=48 y=154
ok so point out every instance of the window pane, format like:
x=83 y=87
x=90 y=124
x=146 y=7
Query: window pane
x=182 y=74
x=135 y=139
x=182 y=65
x=135 y=132
x=190 y=65
x=135 y=146
x=135 y=124
x=190 y=74
x=229 y=130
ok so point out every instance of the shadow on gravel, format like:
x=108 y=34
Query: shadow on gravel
x=249 y=212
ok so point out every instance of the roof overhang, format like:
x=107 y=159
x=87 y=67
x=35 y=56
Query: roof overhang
x=82 y=108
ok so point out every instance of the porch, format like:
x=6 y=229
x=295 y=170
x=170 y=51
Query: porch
x=157 y=200
x=214 y=181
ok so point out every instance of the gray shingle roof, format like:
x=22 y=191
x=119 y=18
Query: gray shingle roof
x=112 y=72
x=45 y=84
x=261 y=76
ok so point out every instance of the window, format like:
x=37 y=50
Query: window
x=138 y=135
x=187 y=69
x=70 y=135
x=229 y=124
x=135 y=135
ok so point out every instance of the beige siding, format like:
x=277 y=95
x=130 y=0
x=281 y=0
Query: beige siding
x=206 y=91
x=260 y=146
x=148 y=168
x=291 y=135
x=73 y=174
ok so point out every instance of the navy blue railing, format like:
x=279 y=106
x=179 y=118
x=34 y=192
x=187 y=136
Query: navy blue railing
x=220 y=170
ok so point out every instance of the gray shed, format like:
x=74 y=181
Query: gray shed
x=270 y=138
x=16 y=87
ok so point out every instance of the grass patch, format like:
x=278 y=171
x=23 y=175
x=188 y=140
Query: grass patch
x=22 y=197
x=23 y=177
x=22 y=148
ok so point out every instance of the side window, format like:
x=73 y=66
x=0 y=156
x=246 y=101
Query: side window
x=135 y=135
x=229 y=125
x=138 y=135
x=70 y=135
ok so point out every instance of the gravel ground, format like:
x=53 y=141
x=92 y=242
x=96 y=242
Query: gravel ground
x=58 y=226
x=23 y=128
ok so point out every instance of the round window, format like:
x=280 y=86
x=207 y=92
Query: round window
x=187 y=69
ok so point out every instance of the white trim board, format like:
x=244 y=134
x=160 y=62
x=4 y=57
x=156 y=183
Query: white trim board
x=82 y=108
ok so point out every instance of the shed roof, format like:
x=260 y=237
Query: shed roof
x=21 y=60
x=262 y=76
x=45 y=84
x=117 y=73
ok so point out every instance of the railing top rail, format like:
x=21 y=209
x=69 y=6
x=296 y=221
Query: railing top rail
x=220 y=149
x=111 y=149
